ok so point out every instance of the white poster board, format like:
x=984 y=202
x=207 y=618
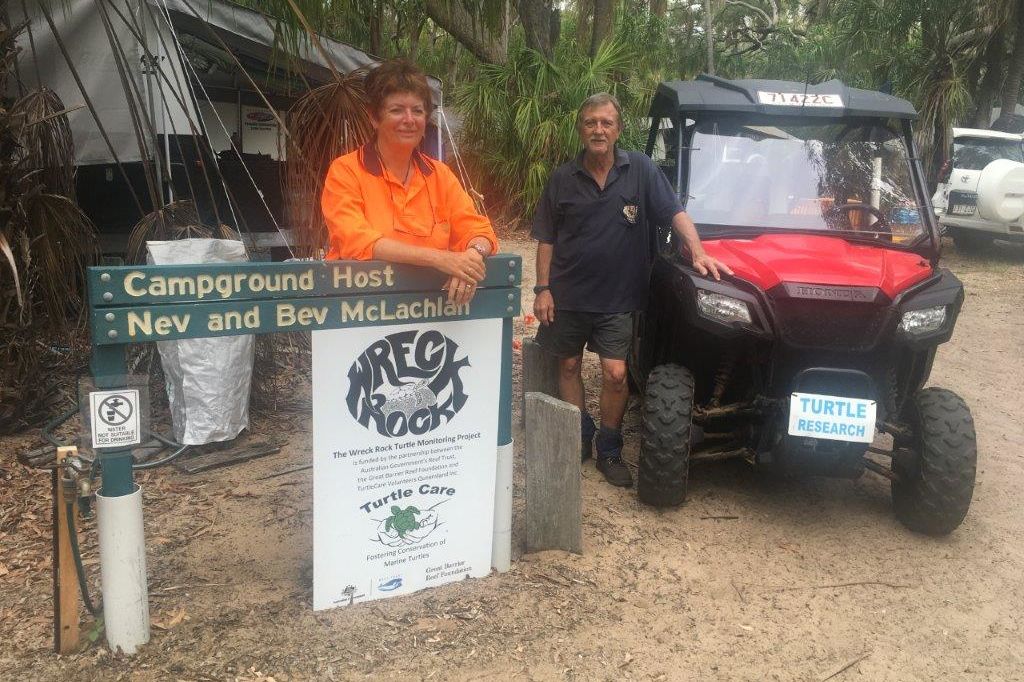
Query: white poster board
x=405 y=422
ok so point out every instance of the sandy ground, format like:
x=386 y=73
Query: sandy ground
x=752 y=579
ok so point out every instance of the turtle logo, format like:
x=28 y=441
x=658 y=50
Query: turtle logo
x=407 y=383
x=407 y=526
x=402 y=520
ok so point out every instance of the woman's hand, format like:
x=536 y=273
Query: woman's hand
x=460 y=291
x=465 y=265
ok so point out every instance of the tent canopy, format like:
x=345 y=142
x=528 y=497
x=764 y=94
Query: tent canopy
x=168 y=94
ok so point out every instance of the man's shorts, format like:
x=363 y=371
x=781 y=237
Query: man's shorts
x=607 y=334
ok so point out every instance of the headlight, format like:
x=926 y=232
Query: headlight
x=924 y=320
x=721 y=307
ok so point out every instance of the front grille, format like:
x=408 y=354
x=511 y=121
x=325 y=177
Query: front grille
x=838 y=325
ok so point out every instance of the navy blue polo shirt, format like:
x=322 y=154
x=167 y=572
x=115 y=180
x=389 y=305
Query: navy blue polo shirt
x=603 y=238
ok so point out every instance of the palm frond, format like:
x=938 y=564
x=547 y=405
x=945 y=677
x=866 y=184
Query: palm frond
x=176 y=220
x=46 y=139
x=5 y=248
x=327 y=122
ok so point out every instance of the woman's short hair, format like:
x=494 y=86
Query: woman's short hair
x=396 y=76
x=598 y=100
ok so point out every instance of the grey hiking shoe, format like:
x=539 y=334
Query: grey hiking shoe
x=615 y=471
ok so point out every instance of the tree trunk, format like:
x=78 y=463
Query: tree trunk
x=659 y=9
x=995 y=53
x=538 y=18
x=1014 y=72
x=709 y=36
x=604 y=21
x=585 y=13
x=376 y=31
x=415 y=32
x=489 y=46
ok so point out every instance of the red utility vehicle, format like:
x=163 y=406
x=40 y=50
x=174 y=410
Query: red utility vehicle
x=812 y=358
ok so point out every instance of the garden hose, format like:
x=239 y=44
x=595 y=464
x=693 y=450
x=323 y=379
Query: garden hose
x=69 y=511
x=51 y=425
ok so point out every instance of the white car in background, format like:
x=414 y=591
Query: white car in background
x=980 y=193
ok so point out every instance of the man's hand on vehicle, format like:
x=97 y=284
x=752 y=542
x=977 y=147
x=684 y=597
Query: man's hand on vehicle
x=705 y=264
x=544 y=307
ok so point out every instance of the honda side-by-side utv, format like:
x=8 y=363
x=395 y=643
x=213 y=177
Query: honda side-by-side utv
x=824 y=336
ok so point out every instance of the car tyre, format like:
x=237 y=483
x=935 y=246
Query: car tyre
x=937 y=469
x=666 y=421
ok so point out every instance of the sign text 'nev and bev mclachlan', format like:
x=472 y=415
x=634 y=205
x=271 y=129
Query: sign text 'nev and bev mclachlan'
x=162 y=303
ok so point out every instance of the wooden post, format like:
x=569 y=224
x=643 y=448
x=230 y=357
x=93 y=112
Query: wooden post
x=553 y=505
x=65 y=578
x=540 y=374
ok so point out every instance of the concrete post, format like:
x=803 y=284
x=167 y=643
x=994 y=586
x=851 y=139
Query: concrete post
x=540 y=374
x=553 y=504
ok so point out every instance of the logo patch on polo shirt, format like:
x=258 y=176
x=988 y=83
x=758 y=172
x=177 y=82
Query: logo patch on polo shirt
x=632 y=212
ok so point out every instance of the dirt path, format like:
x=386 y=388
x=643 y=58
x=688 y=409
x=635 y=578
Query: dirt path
x=752 y=579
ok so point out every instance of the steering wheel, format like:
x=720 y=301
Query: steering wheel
x=880 y=225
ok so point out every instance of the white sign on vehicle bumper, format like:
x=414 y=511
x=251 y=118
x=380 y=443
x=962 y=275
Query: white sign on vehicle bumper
x=832 y=417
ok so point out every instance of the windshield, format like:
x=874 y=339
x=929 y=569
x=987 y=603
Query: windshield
x=851 y=177
x=972 y=153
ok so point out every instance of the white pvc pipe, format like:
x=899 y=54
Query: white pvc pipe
x=123 y=571
x=501 y=548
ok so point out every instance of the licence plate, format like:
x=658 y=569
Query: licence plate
x=960 y=209
x=799 y=99
x=832 y=417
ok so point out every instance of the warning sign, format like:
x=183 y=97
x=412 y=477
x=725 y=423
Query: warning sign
x=115 y=418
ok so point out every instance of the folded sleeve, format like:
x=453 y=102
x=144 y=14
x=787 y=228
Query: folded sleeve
x=350 y=234
x=466 y=223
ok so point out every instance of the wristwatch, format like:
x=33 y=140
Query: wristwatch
x=539 y=288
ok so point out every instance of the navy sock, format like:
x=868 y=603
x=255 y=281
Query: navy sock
x=609 y=442
x=587 y=426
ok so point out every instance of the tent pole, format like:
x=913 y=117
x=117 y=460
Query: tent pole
x=149 y=69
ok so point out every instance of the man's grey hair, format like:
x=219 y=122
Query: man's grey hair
x=598 y=100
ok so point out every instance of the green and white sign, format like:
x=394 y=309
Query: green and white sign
x=405 y=422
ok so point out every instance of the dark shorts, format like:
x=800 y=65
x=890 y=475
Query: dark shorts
x=607 y=334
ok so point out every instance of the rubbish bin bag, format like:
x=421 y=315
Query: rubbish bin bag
x=208 y=379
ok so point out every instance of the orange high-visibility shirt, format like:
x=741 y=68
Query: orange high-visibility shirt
x=362 y=202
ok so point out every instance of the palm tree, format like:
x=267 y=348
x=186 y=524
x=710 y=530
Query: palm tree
x=45 y=244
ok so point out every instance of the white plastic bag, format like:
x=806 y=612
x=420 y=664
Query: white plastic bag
x=208 y=380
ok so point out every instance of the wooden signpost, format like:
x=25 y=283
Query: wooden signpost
x=65 y=578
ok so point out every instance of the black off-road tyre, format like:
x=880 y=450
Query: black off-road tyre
x=665 y=439
x=936 y=483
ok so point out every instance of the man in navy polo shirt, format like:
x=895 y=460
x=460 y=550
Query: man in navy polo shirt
x=594 y=231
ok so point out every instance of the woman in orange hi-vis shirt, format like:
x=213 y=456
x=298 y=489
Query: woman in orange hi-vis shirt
x=388 y=201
